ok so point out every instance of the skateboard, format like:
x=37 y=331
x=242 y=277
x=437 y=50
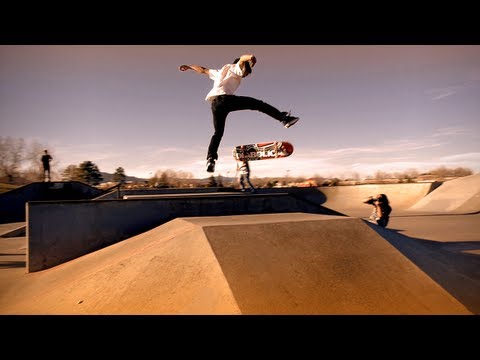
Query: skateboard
x=263 y=150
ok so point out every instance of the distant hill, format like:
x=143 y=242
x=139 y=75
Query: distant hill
x=109 y=178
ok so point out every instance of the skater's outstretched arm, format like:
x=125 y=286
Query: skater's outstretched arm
x=197 y=68
x=369 y=200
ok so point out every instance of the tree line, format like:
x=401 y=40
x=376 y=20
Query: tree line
x=20 y=164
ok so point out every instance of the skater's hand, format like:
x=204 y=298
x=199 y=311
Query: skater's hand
x=183 y=67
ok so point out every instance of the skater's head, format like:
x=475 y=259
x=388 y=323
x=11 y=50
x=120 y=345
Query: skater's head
x=247 y=66
x=381 y=199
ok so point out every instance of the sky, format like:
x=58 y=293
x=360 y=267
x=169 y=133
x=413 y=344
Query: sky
x=362 y=108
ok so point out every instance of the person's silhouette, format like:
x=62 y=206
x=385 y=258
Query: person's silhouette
x=381 y=209
x=46 y=158
x=243 y=169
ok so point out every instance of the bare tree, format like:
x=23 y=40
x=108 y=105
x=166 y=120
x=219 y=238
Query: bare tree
x=11 y=157
x=162 y=180
x=461 y=172
x=381 y=176
x=441 y=171
x=184 y=175
x=33 y=156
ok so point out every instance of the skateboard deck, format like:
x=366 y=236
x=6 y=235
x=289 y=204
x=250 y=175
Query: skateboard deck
x=263 y=150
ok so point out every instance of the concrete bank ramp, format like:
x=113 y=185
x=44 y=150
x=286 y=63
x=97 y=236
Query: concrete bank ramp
x=349 y=199
x=293 y=263
x=460 y=196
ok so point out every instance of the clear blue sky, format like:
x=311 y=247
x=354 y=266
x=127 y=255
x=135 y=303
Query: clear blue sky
x=362 y=108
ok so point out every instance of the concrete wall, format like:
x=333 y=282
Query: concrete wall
x=12 y=203
x=64 y=230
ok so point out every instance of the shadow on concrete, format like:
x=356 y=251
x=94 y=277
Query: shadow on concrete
x=444 y=262
x=12 y=264
x=435 y=185
x=461 y=247
x=315 y=198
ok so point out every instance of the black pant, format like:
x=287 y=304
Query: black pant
x=46 y=171
x=222 y=105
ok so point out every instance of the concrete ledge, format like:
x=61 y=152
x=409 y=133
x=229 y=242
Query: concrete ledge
x=183 y=196
x=112 y=195
x=64 y=230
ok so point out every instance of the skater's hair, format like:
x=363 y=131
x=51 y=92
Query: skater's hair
x=382 y=198
x=247 y=70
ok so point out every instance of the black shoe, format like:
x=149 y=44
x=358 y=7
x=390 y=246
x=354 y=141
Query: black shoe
x=291 y=120
x=253 y=191
x=210 y=165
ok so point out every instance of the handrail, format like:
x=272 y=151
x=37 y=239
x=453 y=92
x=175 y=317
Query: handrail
x=113 y=187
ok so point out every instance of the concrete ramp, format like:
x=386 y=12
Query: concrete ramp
x=168 y=270
x=349 y=199
x=293 y=263
x=460 y=196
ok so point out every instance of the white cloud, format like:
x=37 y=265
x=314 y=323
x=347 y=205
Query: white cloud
x=466 y=157
x=391 y=156
x=444 y=92
x=449 y=131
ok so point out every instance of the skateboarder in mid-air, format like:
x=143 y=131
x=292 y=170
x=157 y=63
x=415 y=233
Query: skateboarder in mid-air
x=223 y=101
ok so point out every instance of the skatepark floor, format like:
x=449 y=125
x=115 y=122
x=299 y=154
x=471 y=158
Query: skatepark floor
x=445 y=247
x=427 y=261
